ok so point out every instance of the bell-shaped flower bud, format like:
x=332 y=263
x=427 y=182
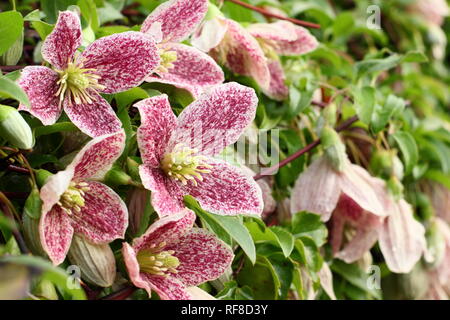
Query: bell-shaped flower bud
x=14 y=128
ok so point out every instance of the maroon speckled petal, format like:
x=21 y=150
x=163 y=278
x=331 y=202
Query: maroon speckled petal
x=167 y=229
x=167 y=195
x=40 y=85
x=157 y=123
x=104 y=216
x=202 y=255
x=304 y=43
x=168 y=288
x=139 y=279
x=193 y=70
x=97 y=156
x=278 y=89
x=122 y=60
x=316 y=190
x=242 y=54
x=178 y=18
x=227 y=190
x=402 y=238
x=60 y=45
x=94 y=119
x=55 y=234
x=216 y=119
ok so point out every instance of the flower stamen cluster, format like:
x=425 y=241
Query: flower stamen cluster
x=155 y=261
x=73 y=197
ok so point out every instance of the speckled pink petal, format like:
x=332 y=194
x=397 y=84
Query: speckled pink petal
x=157 y=123
x=193 y=70
x=278 y=90
x=98 y=156
x=402 y=239
x=216 y=119
x=60 y=45
x=40 y=84
x=122 y=60
x=203 y=257
x=199 y=294
x=168 y=288
x=167 y=229
x=94 y=119
x=316 y=190
x=104 y=216
x=326 y=280
x=209 y=34
x=53 y=188
x=356 y=185
x=304 y=43
x=178 y=18
x=138 y=278
x=55 y=234
x=227 y=190
x=167 y=195
x=274 y=32
x=242 y=54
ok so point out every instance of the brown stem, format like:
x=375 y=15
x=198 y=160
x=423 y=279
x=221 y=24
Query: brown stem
x=11 y=68
x=4 y=206
x=121 y=294
x=17 y=169
x=344 y=125
x=274 y=15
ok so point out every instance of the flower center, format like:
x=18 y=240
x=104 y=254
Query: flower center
x=75 y=82
x=73 y=197
x=155 y=261
x=167 y=59
x=182 y=164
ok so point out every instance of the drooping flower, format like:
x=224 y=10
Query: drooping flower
x=111 y=64
x=73 y=201
x=255 y=51
x=433 y=11
x=182 y=66
x=281 y=38
x=172 y=256
x=178 y=153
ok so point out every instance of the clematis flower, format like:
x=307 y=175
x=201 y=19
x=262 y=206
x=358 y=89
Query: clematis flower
x=74 y=83
x=182 y=66
x=178 y=153
x=172 y=256
x=73 y=201
x=433 y=11
x=281 y=38
x=255 y=51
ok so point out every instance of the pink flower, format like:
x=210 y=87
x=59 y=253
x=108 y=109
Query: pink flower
x=108 y=65
x=178 y=153
x=172 y=256
x=74 y=202
x=433 y=11
x=182 y=66
x=255 y=51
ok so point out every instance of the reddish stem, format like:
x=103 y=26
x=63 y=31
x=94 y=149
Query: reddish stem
x=18 y=169
x=274 y=15
x=121 y=294
x=269 y=171
x=11 y=68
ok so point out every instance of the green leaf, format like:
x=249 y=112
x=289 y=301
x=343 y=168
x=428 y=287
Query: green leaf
x=284 y=269
x=365 y=103
x=371 y=66
x=415 y=56
x=89 y=12
x=10 y=89
x=50 y=272
x=343 y=24
x=33 y=204
x=285 y=240
x=309 y=224
x=409 y=149
x=11 y=27
x=232 y=225
x=51 y=8
x=438 y=176
x=393 y=106
x=57 y=127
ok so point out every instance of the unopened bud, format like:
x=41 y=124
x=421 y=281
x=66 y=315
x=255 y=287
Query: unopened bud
x=46 y=290
x=133 y=169
x=33 y=204
x=31 y=234
x=385 y=163
x=96 y=261
x=13 y=54
x=42 y=176
x=334 y=148
x=395 y=187
x=14 y=129
x=117 y=177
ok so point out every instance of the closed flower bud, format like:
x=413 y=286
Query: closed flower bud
x=133 y=169
x=137 y=202
x=96 y=261
x=117 y=177
x=395 y=187
x=45 y=290
x=31 y=233
x=14 y=128
x=42 y=176
x=13 y=54
x=334 y=148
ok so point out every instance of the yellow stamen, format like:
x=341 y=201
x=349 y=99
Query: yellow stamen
x=73 y=198
x=155 y=261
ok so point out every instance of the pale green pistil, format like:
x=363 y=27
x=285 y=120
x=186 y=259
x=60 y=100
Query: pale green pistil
x=73 y=197
x=75 y=82
x=167 y=59
x=154 y=261
x=184 y=165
